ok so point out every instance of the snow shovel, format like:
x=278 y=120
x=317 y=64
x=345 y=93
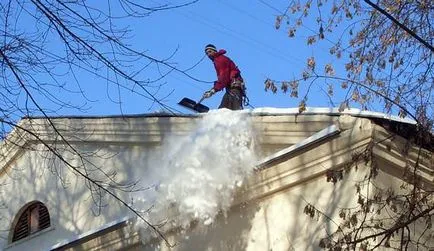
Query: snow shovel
x=192 y=105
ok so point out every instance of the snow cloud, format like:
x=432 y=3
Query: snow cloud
x=196 y=175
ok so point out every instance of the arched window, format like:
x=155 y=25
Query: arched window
x=33 y=218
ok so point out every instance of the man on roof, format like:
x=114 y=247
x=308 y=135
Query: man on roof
x=228 y=78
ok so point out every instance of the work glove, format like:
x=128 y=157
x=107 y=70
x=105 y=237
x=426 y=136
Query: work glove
x=209 y=93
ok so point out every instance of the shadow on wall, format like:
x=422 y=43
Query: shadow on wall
x=32 y=178
x=36 y=176
x=229 y=232
x=117 y=145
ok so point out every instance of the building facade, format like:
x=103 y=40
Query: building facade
x=49 y=204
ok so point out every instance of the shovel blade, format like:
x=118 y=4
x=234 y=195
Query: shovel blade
x=192 y=105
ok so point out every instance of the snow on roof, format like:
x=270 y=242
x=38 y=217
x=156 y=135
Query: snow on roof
x=329 y=111
x=262 y=111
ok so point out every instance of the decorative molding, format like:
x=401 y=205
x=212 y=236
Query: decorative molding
x=146 y=130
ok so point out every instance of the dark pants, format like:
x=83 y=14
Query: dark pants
x=233 y=99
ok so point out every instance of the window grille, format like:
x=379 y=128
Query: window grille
x=33 y=219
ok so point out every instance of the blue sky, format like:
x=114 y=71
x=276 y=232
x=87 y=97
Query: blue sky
x=245 y=28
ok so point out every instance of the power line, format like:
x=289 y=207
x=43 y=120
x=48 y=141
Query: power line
x=270 y=50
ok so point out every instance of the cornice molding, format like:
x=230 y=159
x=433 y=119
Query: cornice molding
x=146 y=130
x=396 y=156
x=309 y=163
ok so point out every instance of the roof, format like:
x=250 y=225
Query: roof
x=263 y=111
x=332 y=112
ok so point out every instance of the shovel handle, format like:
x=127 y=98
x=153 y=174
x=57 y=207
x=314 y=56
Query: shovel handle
x=200 y=100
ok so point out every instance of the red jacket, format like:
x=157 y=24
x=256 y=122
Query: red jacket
x=226 y=70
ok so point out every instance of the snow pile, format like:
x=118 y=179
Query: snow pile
x=197 y=175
